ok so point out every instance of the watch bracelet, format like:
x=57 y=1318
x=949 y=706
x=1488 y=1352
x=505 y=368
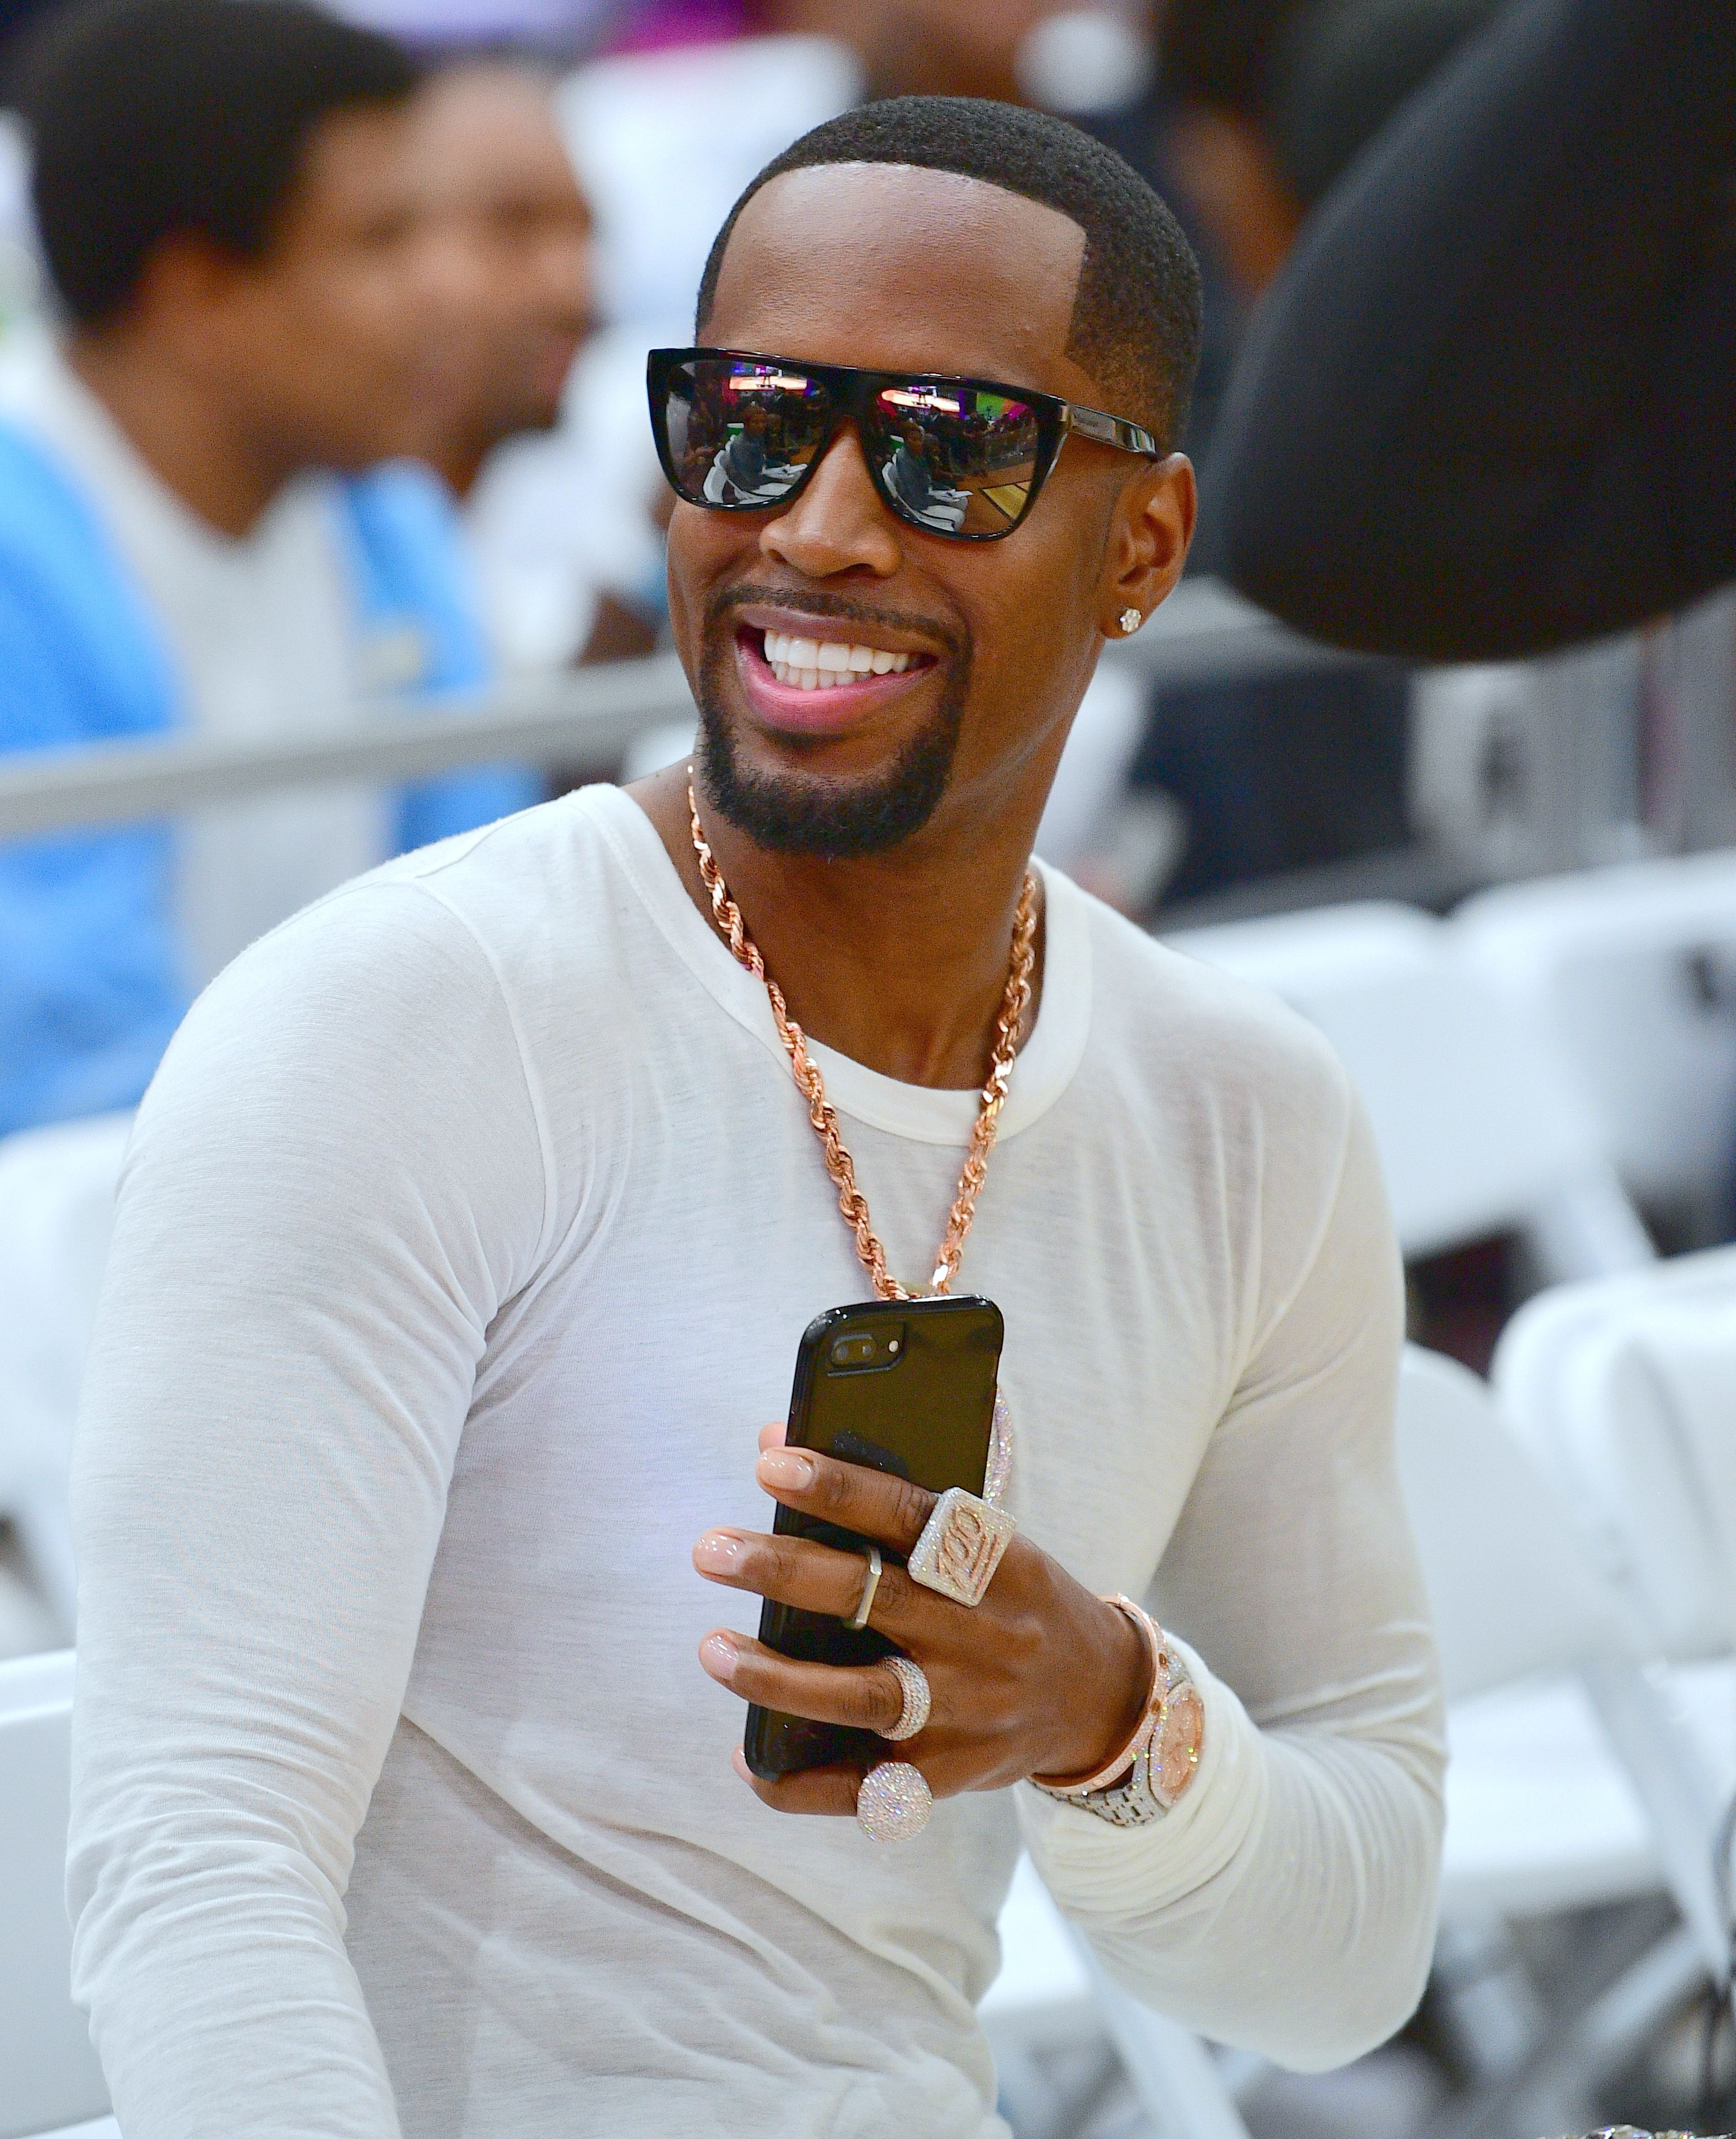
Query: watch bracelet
x=1135 y=1803
x=1130 y=1803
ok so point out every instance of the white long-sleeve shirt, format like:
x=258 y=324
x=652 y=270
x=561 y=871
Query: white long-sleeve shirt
x=464 y=1244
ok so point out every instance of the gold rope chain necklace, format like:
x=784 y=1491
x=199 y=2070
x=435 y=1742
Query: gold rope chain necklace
x=851 y=1201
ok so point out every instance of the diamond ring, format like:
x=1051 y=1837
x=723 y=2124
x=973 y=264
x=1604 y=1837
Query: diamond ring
x=913 y=1684
x=894 y=1803
x=961 y=1546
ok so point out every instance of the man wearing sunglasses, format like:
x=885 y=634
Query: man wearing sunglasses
x=470 y=1229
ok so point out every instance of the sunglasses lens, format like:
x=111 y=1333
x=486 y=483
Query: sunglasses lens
x=741 y=434
x=959 y=460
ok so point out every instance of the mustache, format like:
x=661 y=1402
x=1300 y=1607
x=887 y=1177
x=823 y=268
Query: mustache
x=843 y=608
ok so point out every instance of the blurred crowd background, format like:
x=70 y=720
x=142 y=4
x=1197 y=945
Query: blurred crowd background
x=336 y=405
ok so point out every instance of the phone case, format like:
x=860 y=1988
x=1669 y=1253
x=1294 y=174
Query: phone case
x=905 y=1386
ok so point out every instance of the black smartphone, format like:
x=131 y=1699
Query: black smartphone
x=905 y=1386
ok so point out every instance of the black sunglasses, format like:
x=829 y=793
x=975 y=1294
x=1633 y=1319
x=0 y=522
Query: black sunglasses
x=961 y=458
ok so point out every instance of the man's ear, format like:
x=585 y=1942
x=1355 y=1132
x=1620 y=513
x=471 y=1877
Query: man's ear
x=1148 y=544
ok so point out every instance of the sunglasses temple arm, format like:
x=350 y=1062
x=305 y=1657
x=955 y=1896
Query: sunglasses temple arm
x=1108 y=430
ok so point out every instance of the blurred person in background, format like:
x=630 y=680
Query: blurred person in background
x=495 y=167
x=1513 y=332
x=204 y=522
x=568 y=561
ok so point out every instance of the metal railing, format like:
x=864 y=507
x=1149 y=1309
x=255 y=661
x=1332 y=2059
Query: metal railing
x=1203 y=633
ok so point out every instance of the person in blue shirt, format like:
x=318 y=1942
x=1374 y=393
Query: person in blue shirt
x=209 y=517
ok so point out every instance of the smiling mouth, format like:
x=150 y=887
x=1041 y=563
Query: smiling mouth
x=816 y=664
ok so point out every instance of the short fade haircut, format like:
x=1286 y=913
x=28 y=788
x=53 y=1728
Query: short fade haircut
x=158 y=119
x=1135 y=314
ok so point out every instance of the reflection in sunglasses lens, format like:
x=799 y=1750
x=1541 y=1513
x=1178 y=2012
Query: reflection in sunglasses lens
x=741 y=434
x=958 y=459
x=953 y=458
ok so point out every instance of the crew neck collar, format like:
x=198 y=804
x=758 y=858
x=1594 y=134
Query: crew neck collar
x=1045 y=1065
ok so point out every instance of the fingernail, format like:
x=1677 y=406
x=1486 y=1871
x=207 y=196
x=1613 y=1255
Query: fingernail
x=717 y=1654
x=718 y=1550
x=738 y=1761
x=786 y=1467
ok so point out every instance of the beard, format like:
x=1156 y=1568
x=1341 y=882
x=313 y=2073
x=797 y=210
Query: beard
x=791 y=814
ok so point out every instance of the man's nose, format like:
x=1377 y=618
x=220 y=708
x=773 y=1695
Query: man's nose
x=838 y=523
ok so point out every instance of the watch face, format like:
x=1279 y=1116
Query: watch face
x=1176 y=1750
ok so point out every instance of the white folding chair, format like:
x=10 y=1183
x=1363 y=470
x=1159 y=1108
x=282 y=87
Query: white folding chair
x=1631 y=969
x=1578 y=1775
x=1542 y=1814
x=1480 y=1124
x=56 y=1214
x=1570 y=1371
x=49 y=2076
x=1625 y=1389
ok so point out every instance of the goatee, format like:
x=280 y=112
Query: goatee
x=788 y=813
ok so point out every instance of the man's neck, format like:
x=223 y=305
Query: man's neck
x=898 y=960
x=196 y=447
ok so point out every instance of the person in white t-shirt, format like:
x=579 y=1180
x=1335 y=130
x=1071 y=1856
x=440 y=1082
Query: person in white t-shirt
x=469 y=1229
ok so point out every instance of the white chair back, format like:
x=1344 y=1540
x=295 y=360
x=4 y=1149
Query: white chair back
x=1513 y=1591
x=1626 y=1388
x=49 y=2076
x=56 y=1215
x=1632 y=970
x=1480 y=1126
x=1626 y=1391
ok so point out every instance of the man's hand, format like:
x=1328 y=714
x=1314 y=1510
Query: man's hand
x=1040 y=1678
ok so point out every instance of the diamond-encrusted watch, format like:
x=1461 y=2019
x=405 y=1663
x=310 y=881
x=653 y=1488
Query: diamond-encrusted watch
x=1160 y=1759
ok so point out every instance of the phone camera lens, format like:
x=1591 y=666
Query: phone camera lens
x=860 y=1351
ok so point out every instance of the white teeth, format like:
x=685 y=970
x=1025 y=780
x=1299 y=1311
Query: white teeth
x=812 y=664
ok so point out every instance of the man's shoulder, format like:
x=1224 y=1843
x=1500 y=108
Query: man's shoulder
x=508 y=887
x=1177 y=1014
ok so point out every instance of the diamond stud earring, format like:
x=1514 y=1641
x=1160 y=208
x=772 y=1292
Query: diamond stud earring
x=1130 y=620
